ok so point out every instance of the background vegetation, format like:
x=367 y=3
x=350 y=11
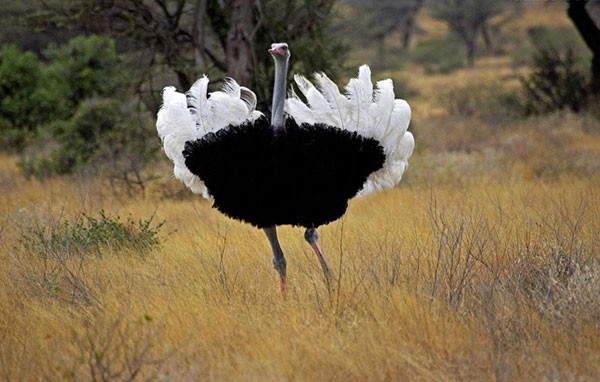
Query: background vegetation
x=483 y=264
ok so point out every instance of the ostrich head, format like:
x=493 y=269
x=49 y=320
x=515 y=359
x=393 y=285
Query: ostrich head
x=280 y=51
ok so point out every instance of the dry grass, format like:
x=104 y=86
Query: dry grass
x=489 y=279
x=484 y=265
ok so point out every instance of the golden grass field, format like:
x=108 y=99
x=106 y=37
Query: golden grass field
x=482 y=265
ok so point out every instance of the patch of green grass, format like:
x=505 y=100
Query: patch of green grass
x=52 y=258
x=93 y=235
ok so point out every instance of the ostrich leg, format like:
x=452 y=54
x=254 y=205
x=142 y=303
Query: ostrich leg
x=279 y=262
x=311 y=236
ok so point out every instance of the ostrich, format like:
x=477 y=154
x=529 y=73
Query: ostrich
x=301 y=167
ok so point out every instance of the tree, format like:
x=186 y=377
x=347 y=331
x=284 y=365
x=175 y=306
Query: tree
x=554 y=82
x=218 y=37
x=590 y=33
x=19 y=78
x=467 y=19
x=84 y=67
x=93 y=108
x=198 y=35
x=240 y=42
x=373 y=21
x=72 y=111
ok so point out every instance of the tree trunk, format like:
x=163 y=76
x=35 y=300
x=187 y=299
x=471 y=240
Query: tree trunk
x=240 y=42
x=408 y=25
x=487 y=39
x=471 y=47
x=407 y=29
x=590 y=33
x=198 y=33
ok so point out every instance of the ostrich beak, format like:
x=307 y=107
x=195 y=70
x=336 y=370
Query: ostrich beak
x=278 y=51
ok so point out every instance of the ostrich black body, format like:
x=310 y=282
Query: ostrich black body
x=301 y=175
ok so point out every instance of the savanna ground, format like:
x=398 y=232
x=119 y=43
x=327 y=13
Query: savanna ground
x=483 y=264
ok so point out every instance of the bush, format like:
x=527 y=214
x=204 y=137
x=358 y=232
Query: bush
x=86 y=67
x=19 y=76
x=554 y=83
x=101 y=130
x=439 y=55
x=567 y=36
x=91 y=236
x=52 y=257
x=33 y=95
x=89 y=124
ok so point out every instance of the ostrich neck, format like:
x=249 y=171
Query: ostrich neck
x=279 y=93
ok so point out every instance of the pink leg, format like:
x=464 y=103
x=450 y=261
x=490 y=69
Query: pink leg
x=311 y=236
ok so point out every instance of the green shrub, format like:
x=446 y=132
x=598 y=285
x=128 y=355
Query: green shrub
x=19 y=76
x=543 y=37
x=52 y=257
x=87 y=122
x=439 y=55
x=32 y=94
x=555 y=82
x=89 y=235
x=102 y=136
x=86 y=67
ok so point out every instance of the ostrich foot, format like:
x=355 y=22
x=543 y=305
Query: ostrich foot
x=282 y=285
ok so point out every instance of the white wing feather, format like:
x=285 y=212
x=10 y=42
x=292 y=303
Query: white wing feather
x=339 y=104
x=294 y=106
x=190 y=116
x=319 y=106
x=372 y=112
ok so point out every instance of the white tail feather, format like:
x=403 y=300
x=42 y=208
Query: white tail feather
x=248 y=97
x=318 y=104
x=372 y=112
x=196 y=98
x=231 y=88
x=295 y=107
x=340 y=106
x=190 y=116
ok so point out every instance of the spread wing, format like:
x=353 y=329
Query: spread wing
x=190 y=116
x=371 y=111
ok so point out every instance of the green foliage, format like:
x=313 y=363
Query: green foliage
x=438 y=55
x=101 y=135
x=465 y=16
x=544 y=37
x=555 y=82
x=81 y=136
x=19 y=76
x=467 y=19
x=52 y=256
x=33 y=95
x=73 y=112
x=86 y=67
x=308 y=32
x=373 y=20
x=89 y=235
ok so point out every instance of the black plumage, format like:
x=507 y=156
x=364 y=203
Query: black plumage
x=301 y=175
